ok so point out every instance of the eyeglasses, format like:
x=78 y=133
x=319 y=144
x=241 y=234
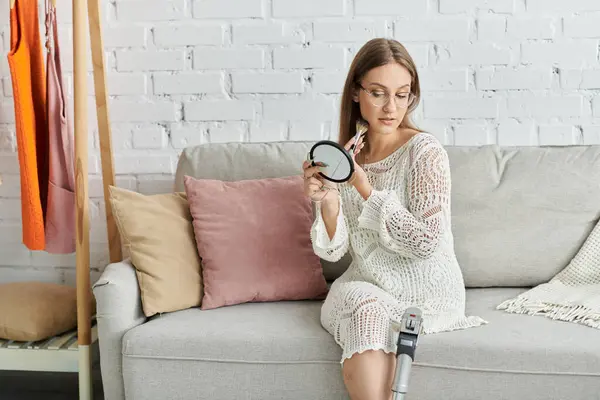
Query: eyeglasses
x=380 y=98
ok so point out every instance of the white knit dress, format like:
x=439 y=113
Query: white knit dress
x=402 y=251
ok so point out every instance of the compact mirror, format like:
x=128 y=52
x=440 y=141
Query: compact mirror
x=339 y=166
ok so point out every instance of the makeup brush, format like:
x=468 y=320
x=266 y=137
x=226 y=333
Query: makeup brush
x=361 y=128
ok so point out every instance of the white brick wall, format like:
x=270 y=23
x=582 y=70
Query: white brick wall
x=186 y=72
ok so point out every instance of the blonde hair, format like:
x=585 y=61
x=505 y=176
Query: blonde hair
x=375 y=53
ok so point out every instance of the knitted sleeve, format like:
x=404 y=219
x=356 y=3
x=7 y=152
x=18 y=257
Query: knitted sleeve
x=413 y=231
x=329 y=249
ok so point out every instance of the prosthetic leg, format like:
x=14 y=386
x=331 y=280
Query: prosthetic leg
x=410 y=328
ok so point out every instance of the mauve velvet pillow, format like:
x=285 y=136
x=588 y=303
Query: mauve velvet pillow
x=253 y=237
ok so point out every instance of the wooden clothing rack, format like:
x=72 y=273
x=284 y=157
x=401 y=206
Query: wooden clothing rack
x=71 y=352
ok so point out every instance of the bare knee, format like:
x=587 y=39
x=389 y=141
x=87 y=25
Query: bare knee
x=368 y=375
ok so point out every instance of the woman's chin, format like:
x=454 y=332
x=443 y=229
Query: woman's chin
x=386 y=129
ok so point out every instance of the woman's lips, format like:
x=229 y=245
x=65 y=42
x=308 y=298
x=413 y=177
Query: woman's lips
x=387 y=121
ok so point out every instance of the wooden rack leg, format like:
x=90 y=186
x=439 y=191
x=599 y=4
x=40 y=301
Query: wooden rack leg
x=106 y=154
x=81 y=177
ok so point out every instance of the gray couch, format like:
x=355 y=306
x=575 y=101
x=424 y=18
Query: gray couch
x=519 y=215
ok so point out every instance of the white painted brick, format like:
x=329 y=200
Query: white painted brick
x=406 y=8
x=7 y=88
x=220 y=110
x=580 y=79
x=348 y=31
x=124 y=36
x=514 y=133
x=64 y=11
x=69 y=275
x=98 y=233
x=545 y=107
x=188 y=83
x=270 y=33
x=514 y=78
x=419 y=53
x=150 y=137
x=306 y=130
x=328 y=82
x=432 y=29
x=15 y=256
x=531 y=28
x=134 y=111
x=434 y=80
x=11 y=185
x=565 y=54
x=150 y=184
x=437 y=127
x=94 y=210
x=8 y=141
x=16 y=273
x=150 y=60
x=123 y=84
x=227 y=132
x=150 y=10
x=11 y=233
x=460 y=6
x=317 y=109
x=308 y=8
x=552 y=6
x=122 y=139
x=491 y=29
x=4 y=69
x=596 y=107
x=10 y=209
x=96 y=188
x=473 y=134
x=188 y=35
x=320 y=109
x=205 y=58
x=269 y=82
x=7 y=112
x=590 y=79
x=42 y=259
x=187 y=136
x=461 y=107
x=570 y=78
x=557 y=135
x=591 y=134
x=474 y=54
x=582 y=26
x=142 y=163
x=268 y=131
x=228 y=9
x=317 y=56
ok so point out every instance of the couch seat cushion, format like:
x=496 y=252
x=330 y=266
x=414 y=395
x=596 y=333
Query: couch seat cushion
x=291 y=332
x=251 y=332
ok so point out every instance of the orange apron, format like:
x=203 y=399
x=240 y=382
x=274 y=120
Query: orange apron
x=60 y=211
x=26 y=64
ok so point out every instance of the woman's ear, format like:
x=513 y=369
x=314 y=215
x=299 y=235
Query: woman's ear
x=355 y=95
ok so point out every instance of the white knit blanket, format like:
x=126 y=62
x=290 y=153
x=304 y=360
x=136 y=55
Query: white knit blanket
x=573 y=295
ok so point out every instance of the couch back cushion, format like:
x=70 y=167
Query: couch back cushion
x=519 y=214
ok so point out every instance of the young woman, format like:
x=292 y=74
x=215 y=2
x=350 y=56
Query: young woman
x=394 y=218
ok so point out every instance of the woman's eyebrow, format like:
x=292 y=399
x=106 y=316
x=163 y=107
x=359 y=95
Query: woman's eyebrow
x=379 y=84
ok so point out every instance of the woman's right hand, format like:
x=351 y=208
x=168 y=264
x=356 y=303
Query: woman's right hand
x=316 y=187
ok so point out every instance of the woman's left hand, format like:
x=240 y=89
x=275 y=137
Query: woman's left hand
x=359 y=178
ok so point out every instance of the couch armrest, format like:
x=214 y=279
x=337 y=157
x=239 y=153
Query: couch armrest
x=119 y=308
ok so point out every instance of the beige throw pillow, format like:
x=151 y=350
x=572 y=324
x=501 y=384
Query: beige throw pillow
x=32 y=311
x=158 y=233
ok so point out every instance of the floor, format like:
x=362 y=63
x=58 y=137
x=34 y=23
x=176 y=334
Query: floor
x=17 y=385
